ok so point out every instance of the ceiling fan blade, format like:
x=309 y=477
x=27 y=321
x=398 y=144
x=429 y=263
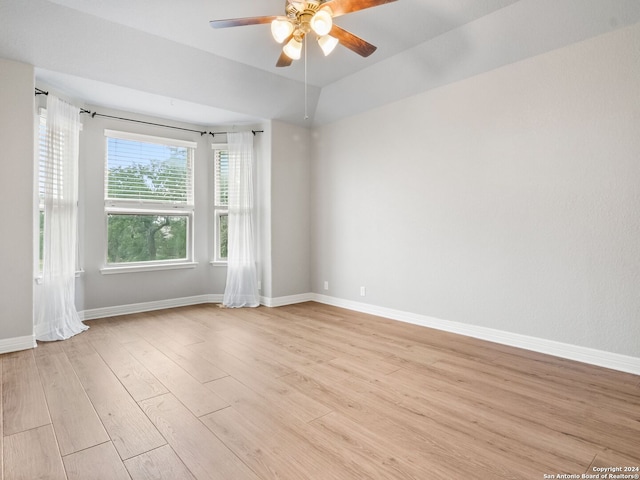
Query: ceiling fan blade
x=241 y=22
x=283 y=60
x=342 y=7
x=352 y=42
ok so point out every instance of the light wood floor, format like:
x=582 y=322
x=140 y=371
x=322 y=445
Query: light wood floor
x=304 y=392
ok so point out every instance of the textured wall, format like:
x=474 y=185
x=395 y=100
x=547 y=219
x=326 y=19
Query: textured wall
x=16 y=190
x=290 y=207
x=509 y=200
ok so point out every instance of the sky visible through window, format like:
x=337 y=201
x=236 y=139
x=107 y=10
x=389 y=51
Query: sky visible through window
x=145 y=153
x=147 y=171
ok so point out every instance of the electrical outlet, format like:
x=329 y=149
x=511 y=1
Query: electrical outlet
x=259 y=285
x=363 y=291
x=326 y=285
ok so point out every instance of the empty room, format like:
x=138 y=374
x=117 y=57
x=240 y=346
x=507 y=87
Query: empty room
x=320 y=239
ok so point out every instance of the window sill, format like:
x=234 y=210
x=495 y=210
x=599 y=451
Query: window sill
x=146 y=268
x=218 y=263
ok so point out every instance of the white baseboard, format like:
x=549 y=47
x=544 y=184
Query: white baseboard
x=16 y=344
x=287 y=300
x=104 y=312
x=591 y=356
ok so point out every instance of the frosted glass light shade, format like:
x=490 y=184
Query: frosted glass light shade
x=321 y=22
x=281 y=28
x=327 y=44
x=293 y=49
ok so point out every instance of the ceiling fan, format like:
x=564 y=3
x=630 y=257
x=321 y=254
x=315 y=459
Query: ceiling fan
x=304 y=17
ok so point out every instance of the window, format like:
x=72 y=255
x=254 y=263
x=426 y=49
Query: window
x=148 y=200
x=221 y=201
x=42 y=151
x=46 y=179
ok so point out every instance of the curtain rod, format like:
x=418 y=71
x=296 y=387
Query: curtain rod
x=96 y=114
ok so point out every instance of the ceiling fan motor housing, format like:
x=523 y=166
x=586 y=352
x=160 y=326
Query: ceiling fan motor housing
x=303 y=17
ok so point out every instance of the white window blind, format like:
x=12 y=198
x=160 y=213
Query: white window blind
x=49 y=174
x=42 y=149
x=221 y=186
x=141 y=168
x=220 y=201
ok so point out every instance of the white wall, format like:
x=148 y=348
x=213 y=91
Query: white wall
x=16 y=192
x=290 y=207
x=509 y=200
x=263 y=191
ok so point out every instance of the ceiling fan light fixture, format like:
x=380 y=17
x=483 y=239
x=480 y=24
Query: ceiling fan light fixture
x=293 y=49
x=322 y=22
x=281 y=28
x=327 y=44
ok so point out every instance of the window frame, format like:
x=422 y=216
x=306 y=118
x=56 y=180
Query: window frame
x=150 y=207
x=219 y=209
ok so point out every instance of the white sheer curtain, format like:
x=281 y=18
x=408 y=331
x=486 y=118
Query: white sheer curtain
x=242 y=279
x=56 y=316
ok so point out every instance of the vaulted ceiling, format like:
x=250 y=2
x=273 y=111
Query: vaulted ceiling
x=160 y=57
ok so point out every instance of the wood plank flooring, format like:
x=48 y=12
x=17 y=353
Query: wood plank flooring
x=305 y=391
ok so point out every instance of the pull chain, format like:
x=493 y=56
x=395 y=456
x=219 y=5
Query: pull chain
x=306 y=113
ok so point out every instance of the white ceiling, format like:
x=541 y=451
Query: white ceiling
x=161 y=57
x=393 y=28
